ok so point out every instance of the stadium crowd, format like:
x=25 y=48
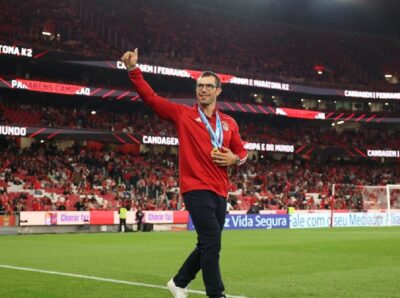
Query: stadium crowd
x=252 y=46
x=262 y=129
x=258 y=48
x=49 y=177
x=21 y=26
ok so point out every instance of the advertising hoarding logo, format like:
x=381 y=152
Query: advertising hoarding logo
x=253 y=221
x=50 y=219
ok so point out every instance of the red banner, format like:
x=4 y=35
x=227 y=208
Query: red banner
x=296 y=113
x=7 y=221
x=181 y=217
x=47 y=87
x=102 y=217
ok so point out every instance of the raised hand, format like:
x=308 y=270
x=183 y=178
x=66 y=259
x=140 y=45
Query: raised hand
x=130 y=58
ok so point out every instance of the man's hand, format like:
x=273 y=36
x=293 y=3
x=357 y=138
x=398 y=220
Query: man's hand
x=130 y=59
x=224 y=158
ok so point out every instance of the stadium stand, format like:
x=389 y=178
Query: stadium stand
x=239 y=45
x=45 y=177
x=142 y=120
x=54 y=175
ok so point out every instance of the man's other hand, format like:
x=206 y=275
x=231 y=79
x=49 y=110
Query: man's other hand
x=224 y=157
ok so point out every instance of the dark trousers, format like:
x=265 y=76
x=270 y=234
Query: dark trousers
x=139 y=225
x=207 y=210
x=122 y=222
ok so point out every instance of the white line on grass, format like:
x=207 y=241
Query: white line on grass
x=116 y=281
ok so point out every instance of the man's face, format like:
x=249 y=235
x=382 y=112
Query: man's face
x=207 y=91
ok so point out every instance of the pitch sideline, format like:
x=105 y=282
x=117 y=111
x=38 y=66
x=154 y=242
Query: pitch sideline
x=125 y=282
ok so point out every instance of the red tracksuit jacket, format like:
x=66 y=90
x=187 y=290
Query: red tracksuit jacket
x=196 y=168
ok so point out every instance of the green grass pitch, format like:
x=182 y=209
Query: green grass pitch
x=347 y=262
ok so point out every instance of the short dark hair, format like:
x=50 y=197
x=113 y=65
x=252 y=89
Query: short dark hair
x=209 y=73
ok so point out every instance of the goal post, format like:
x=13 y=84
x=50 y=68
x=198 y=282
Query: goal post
x=366 y=198
x=377 y=197
x=393 y=195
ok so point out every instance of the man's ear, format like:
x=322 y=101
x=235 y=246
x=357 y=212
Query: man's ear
x=218 y=91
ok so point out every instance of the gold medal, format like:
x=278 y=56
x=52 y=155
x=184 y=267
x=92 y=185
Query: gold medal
x=215 y=150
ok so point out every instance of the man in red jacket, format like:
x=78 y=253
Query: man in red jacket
x=209 y=142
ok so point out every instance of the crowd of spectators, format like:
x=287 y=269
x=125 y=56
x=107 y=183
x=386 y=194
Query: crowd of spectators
x=25 y=24
x=144 y=121
x=84 y=178
x=105 y=178
x=225 y=41
x=53 y=177
x=321 y=136
x=184 y=37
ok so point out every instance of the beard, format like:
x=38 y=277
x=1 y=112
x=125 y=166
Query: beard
x=205 y=100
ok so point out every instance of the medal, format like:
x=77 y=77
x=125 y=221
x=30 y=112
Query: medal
x=216 y=136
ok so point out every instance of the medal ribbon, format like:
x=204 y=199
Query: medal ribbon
x=216 y=137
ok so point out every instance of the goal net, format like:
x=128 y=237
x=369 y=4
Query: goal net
x=366 y=197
